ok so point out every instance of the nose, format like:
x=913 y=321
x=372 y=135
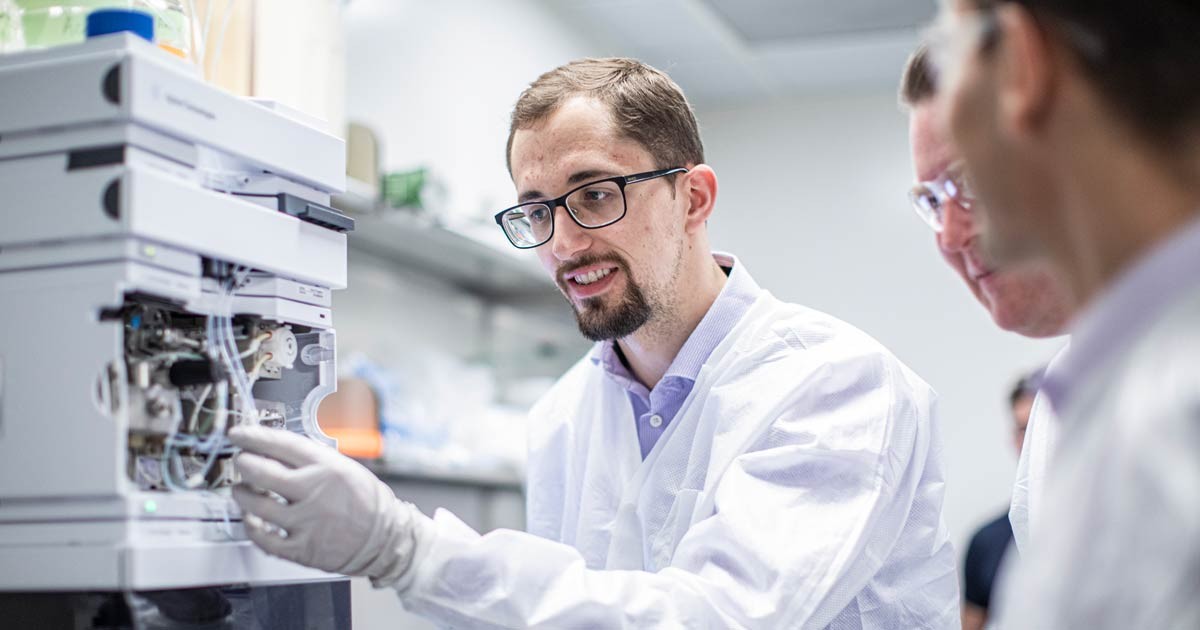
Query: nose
x=569 y=239
x=958 y=228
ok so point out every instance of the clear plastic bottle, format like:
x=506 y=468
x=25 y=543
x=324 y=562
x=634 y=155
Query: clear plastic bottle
x=12 y=31
x=31 y=24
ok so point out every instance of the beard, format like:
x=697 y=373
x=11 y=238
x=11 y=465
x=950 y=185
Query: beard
x=601 y=322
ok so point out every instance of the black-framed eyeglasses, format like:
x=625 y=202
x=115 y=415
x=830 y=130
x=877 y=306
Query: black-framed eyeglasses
x=592 y=206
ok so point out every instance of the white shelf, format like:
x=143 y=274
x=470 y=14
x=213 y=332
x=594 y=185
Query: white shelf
x=497 y=478
x=468 y=256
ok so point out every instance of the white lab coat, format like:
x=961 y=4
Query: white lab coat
x=799 y=486
x=1037 y=451
x=1118 y=544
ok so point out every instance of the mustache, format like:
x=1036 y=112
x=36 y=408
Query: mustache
x=592 y=259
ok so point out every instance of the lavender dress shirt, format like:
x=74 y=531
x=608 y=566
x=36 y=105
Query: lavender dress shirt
x=653 y=409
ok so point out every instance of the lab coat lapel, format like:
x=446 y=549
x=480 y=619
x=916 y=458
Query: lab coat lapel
x=612 y=456
x=646 y=530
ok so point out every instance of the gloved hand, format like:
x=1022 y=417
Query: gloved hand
x=338 y=516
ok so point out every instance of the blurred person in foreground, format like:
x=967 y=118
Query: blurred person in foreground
x=1079 y=122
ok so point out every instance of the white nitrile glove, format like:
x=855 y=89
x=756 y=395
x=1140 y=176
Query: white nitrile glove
x=338 y=516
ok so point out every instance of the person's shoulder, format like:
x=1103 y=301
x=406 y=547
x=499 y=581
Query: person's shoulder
x=569 y=387
x=1161 y=375
x=993 y=535
x=548 y=428
x=806 y=360
x=999 y=527
x=792 y=334
x=805 y=328
x=810 y=373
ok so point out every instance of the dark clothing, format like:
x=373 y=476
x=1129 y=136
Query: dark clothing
x=983 y=560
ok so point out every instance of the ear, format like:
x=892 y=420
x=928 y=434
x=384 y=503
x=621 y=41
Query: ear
x=1028 y=70
x=700 y=190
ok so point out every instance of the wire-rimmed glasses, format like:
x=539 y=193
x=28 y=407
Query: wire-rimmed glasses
x=929 y=198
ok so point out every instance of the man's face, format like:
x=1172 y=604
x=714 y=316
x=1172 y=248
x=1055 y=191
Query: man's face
x=1021 y=411
x=1007 y=172
x=616 y=278
x=1028 y=298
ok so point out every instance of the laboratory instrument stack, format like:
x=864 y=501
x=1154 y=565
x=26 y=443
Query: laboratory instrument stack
x=167 y=253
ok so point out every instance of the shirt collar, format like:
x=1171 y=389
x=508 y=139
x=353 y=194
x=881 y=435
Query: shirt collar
x=732 y=302
x=1124 y=310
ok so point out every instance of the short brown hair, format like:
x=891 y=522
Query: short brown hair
x=917 y=85
x=646 y=106
x=1144 y=57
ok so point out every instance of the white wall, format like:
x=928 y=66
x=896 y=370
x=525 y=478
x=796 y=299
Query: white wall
x=438 y=80
x=812 y=197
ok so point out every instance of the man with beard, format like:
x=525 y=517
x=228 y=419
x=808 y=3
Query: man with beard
x=719 y=460
x=1080 y=124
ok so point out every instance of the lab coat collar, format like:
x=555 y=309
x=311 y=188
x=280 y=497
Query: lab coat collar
x=732 y=302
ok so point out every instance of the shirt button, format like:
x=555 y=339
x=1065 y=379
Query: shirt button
x=656 y=421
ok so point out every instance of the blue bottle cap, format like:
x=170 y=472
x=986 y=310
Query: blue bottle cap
x=105 y=21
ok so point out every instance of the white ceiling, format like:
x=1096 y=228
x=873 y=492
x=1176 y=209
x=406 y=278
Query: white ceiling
x=725 y=52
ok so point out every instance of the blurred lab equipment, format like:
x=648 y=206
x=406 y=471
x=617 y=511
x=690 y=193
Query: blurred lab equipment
x=351 y=416
x=438 y=416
